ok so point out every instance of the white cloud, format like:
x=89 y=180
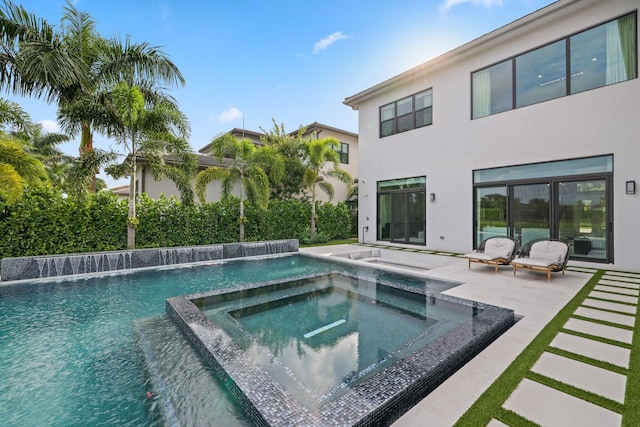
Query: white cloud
x=228 y=115
x=165 y=12
x=449 y=4
x=50 y=126
x=328 y=41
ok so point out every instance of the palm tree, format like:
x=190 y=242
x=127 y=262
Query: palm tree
x=34 y=60
x=247 y=164
x=151 y=130
x=75 y=67
x=319 y=152
x=17 y=170
x=84 y=108
x=17 y=166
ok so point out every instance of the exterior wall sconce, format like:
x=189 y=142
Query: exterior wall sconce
x=631 y=187
x=432 y=197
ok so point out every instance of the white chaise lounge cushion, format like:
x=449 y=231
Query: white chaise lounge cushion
x=548 y=251
x=495 y=248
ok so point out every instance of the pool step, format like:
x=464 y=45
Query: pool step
x=184 y=387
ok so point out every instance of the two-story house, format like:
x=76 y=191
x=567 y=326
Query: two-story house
x=348 y=151
x=529 y=131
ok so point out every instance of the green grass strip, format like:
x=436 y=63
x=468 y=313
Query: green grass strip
x=631 y=415
x=490 y=402
x=510 y=418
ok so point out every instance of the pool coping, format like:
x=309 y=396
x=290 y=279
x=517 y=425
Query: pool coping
x=383 y=397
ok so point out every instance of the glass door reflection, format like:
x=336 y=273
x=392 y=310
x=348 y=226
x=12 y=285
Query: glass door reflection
x=583 y=217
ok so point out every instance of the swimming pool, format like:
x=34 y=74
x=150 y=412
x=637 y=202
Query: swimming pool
x=70 y=354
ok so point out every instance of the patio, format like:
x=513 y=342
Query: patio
x=607 y=310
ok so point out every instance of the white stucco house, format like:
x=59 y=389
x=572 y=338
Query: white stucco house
x=532 y=130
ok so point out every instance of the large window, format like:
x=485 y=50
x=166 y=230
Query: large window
x=570 y=200
x=407 y=113
x=598 y=57
x=402 y=210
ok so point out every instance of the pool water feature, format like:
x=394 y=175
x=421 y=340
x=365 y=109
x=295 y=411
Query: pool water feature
x=71 y=353
x=334 y=349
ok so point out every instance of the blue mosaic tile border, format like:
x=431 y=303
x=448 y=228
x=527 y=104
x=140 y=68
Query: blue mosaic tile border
x=378 y=400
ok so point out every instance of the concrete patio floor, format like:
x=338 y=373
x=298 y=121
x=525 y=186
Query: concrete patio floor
x=536 y=301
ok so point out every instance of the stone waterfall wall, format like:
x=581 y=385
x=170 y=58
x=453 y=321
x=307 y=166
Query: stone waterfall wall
x=36 y=267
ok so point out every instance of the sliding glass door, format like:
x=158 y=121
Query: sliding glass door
x=531 y=212
x=402 y=211
x=582 y=217
x=574 y=211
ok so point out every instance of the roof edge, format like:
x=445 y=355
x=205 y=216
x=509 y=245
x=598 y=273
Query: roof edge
x=354 y=100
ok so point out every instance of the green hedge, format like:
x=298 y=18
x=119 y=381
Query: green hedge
x=45 y=222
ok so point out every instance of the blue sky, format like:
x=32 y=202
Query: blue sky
x=291 y=60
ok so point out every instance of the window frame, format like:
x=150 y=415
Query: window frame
x=567 y=76
x=396 y=123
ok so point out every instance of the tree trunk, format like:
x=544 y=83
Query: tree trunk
x=312 y=231
x=131 y=222
x=86 y=146
x=241 y=239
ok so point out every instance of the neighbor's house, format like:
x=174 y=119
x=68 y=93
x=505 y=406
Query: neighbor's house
x=532 y=130
x=348 y=151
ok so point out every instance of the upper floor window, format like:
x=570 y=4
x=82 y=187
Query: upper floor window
x=597 y=57
x=343 y=152
x=407 y=113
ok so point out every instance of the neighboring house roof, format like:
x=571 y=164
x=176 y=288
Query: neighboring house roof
x=240 y=133
x=203 y=161
x=255 y=136
x=494 y=37
x=122 y=190
x=319 y=127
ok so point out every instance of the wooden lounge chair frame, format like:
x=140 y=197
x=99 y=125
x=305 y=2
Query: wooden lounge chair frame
x=524 y=259
x=497 y=261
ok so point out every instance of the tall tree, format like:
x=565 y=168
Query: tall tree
x=291 y=148
x=34 y=59
x=84 y=105
x=74 y=66
x=319 y=153
x=151 y=130
x=246 y=163
x=17 y=170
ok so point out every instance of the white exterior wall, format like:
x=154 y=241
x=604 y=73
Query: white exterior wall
x=593 y=123
x=165 y=186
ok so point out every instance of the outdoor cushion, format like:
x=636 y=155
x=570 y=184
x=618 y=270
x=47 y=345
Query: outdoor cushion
x=499 y=248
x=535 y=262
x=549 y=250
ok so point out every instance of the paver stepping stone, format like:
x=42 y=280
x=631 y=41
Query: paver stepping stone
x=596 y=380
x=496 y=423
x=624 y=308
x=622 y=276
x=619 y=284
x=594 y=349
x=624 y=291
x=549 y=407
x=592 y=313
x=614 y=297
x=599 y=330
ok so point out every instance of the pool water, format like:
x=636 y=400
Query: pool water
x=70 y=355
x=317 y=336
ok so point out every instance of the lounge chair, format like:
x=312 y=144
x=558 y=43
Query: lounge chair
x=545 y=255
x=497 y=250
